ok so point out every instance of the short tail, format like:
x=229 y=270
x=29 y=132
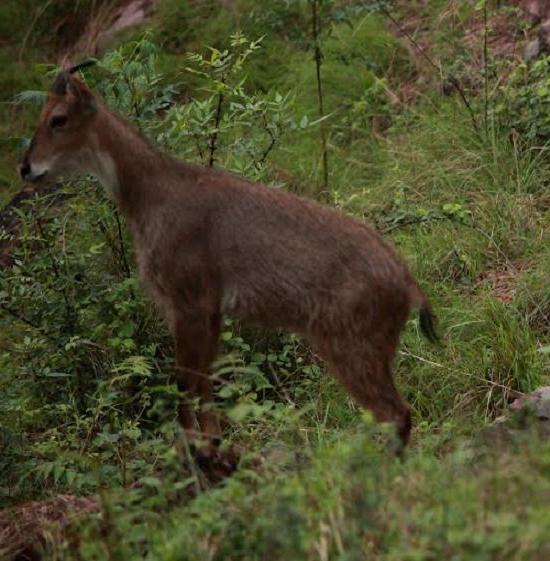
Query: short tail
x=427 y=323
x=427 y=319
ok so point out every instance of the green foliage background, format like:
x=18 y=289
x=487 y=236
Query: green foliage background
x=87 y=402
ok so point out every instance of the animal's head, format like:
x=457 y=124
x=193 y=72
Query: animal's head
x=64 y=128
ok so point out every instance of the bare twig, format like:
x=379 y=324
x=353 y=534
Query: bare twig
x=410 y=221
x=455 y=83
x=133 y=95
x=19 y=317
x=123 y=258
x=271 y=144
x=214 y=137
x=315 y=25
x=23 y=319
x=486 y=70
x=199 y=147
x=69 y=308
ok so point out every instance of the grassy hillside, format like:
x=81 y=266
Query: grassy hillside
x=435 y=133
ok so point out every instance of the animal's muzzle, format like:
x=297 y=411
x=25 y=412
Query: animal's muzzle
x=26 y=173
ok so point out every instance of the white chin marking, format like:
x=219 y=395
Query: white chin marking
x=106 y=172
x=38 y=169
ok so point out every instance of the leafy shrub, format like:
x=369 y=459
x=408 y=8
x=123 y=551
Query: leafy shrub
x=90 y=355
x=526 y=96
x=229 y=124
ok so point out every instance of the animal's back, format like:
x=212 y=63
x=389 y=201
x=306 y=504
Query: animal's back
x=287 y=260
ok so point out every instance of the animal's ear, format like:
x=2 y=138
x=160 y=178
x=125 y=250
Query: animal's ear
x=69 y=84
x=80 y=95
x=59 y=87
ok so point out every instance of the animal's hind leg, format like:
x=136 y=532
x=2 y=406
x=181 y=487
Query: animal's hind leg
x=365 y=372
x=196 y=336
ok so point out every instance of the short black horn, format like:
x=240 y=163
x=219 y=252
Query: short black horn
x=80 y=66
x=60 y=84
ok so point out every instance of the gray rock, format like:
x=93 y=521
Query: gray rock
x=544 y=36
x=532 y=50
x=527 y=418
x=536 y=10
x=536 y=403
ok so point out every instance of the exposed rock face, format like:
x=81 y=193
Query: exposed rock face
x=130 y=15
x=536 y=403
x=105 y=22
x=528 y=415
x=539 y=13
x=538 y=10
x=532 y=49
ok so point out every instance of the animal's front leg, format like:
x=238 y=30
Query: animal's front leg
x=196 y=335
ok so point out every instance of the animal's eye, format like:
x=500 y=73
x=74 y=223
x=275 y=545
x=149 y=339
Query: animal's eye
x=58 y=121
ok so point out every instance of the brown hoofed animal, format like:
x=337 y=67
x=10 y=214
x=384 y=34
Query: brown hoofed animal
x=209 y=243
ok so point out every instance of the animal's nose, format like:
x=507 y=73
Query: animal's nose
x=24 y=169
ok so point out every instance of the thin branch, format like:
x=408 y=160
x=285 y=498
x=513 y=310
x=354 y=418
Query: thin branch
x=272 y=142
x=486 y=69
x=199 y=147
x=451 y=78
x=123 y=258
x=315 y=24
x=214 y=137
x=23 y=319
x=411 y=221
x=69 y=308
x=133 y=95
x=19 y=317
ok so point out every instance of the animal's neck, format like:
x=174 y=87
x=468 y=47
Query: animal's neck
x=126 y=164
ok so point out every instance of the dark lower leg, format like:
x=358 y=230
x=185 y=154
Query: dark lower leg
x=195 y=413
x=196 y=344
x=386 y=405
x=404 y=427
x=368 y=379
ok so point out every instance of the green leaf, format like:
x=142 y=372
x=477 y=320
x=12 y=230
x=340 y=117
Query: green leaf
x=153 y=482
x=34 y=97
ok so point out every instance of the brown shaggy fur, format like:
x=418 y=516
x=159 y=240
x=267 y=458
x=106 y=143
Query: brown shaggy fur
x=210 y=243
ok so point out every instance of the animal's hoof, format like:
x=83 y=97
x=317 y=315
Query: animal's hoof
x=215 y=463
